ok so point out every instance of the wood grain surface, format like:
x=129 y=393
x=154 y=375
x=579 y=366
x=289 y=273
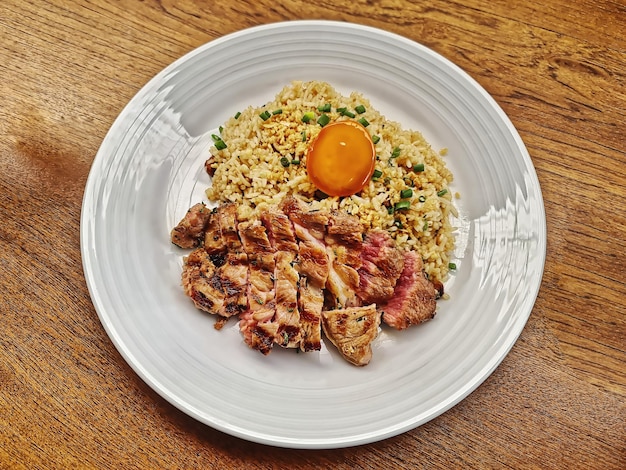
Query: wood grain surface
x=69 y=400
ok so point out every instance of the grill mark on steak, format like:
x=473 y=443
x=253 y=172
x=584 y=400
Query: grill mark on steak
x=344 y=242
x=352 y=331
x=255 y=323
x=201 y=282
x=313 y=267
x=213 y=241
x=189 y=232
x=381 y=267
x=414 y=298
x=283 y=240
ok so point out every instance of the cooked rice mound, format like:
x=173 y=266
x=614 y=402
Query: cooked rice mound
x=265 y=160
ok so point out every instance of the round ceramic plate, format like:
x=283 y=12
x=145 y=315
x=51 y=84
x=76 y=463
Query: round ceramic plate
x=149 y=170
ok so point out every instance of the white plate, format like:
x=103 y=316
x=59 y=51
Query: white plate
x=149 y=170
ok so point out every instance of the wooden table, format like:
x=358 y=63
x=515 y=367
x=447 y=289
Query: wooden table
x=69 y=400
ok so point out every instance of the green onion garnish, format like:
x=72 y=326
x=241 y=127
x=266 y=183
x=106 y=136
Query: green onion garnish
x=295 y=162
x=398 y=206
x=215 y=137
x=390 y=210
x=341 y=110
x=406 y=193
x=349 y=114
x=418 y=168
x=220 y=145
x=425 y=225
x=364 y=122
x=452 y=266
x=377 y=174
x=265 y=115
x=395 y=153
x=221 y=128
x=375 y=139
x=323 y=120
x=284 y=161
x=422 y=198
x=360 y=109
x=306 y=117
x=442 y=192
x=277 y=111
x=325 y=108
x=398 y=223
x=237 y=115
x=303 y=136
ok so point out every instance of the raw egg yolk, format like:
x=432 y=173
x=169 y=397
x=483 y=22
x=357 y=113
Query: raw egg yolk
x=340 y=160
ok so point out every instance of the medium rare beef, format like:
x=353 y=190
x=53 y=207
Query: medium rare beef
x=414 y=298
x=352 y=331
x=381 y=267
x=189 y=232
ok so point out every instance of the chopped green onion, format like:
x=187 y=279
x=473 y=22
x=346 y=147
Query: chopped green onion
x=303 y=136
x=395 y=153
x=377 y=174
x=237 y=115
x=390 y=210
x=398 y=206
x=215 y=137
x=422 y=198
x=220 y=145
x=364 y=122
x=295 y=162
x=265 y=115
x=442 y=192
x=406 y=193
x=360 y=109
x=284 y=161
x=323 y=120
x=306 y=117
x=418 y=168
x=425 y=225
x=277 y=111
x=221 y=128
x=375 y=139
x=341 y=110
x=324 y=108
x=398 y=223
x=452 y=266
x=348 y=113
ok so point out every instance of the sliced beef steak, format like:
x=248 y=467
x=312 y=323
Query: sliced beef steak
x=414 y=298
x=189 y=232
x=352 y=331
x=381 y=267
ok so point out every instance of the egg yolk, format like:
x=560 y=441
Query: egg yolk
x=340 y=160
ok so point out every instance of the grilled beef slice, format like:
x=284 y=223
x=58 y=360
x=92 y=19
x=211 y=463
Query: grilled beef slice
x=352 y=331
x=414 y=297
x=381 y=267
x=255 y=324
x=189 y=232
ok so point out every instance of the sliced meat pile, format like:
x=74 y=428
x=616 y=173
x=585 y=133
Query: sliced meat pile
x=294 y=272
